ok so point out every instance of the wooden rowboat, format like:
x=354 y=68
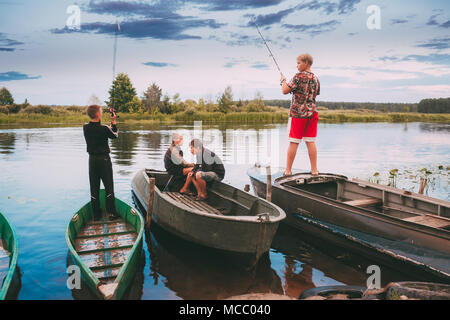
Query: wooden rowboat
x=9 y=252
x=400 y=216
x=107 y=252
x=230 y=220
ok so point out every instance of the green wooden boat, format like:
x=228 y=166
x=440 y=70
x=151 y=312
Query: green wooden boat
x=9 y=252
x=107 y=252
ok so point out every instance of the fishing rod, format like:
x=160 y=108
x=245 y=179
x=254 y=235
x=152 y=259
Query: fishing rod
x=112 y=110
x=267 y=46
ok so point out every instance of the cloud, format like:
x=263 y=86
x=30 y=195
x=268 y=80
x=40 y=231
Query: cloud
x=433 y=22
x=439 y=89
x=252 y=64
x=313 y=29
x=167 y=8
x=224 y=5
x=161 y=9
x=159 y=64
x=7 y=44
x=14 y=75
x=233 y=39
x=261 y=66
x=339 y=7
x=271 y=18
x=165 y=29
x=437 y=43
x=442 y=59
x=399 y=21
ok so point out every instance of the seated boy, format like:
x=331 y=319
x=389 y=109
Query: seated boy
x=174 y=163
x=208 y=168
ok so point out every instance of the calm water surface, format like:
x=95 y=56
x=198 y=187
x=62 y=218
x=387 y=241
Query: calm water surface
x=44 y=180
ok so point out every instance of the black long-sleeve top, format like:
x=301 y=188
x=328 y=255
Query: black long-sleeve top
x=97 y=135
x=209 y=161
x=174 y=162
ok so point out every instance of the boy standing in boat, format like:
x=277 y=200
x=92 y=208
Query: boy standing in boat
x=208 y=168
x=100 y=166
x=303 y=116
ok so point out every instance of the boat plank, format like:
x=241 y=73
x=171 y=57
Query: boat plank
x=191 y=203
x=366 y=202
x=431 y=221
x=103 y=259
x=107 y=273
x=106 y=242
x=105 y=228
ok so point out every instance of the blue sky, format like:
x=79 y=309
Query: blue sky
x=198 y=47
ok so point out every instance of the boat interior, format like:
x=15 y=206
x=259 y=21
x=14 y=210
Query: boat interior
x=104 y=247
x=4 y=260
x=394 y=202
x=222 y=198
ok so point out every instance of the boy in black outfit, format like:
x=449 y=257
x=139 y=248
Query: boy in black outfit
x=100 y=166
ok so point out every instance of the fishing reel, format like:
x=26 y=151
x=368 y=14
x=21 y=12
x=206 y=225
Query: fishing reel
x=113 y=111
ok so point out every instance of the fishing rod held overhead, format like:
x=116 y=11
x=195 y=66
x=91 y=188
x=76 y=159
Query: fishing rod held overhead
x=113 y=110
x=267 y=46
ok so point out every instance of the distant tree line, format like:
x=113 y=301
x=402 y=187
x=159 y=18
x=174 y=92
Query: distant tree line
x=385 y=107
x=441 y=105
x=123 y=97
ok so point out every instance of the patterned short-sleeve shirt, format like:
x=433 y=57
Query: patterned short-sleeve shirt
x=305 y=86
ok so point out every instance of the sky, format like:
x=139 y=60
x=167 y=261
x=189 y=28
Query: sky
x=364 y=51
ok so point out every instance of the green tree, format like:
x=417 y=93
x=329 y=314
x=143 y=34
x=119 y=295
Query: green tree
x=121 y=93
x=226 y=100
x=5 y=97
x=166 y=105
x=152 y=98
x=135 y=105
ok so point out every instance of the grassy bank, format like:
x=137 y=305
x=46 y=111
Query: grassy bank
x=61 y=115
x=341 y=116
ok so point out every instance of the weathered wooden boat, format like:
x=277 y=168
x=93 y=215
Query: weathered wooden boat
x=107 y=252
x=397 y=215
x=9 y=252
x=230 y=220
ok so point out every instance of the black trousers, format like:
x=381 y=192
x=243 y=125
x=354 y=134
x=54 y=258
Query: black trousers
x=100 y=168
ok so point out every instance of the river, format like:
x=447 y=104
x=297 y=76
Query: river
x=44 y=180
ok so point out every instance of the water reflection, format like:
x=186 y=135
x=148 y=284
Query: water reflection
x=45 y=179
x=307 y=266
x=7 y=142
x=123 y=148
x=196 y=272
x=435 y=127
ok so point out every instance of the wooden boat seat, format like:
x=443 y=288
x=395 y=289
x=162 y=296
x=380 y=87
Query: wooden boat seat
x=430 y=221
x=234 y=201
x=366 y=202
x=191 y=203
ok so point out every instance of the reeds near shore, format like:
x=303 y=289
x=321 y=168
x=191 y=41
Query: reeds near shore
x=75 y=115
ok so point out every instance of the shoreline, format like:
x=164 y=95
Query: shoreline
x=325 y=116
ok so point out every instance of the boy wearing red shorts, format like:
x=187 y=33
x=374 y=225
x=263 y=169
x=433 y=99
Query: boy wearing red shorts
x=303 y=117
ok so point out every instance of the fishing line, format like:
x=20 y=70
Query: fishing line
x=267 y=46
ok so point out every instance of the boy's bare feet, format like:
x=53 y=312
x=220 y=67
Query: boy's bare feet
x=286 y=173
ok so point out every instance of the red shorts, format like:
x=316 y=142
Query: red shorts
x=303 y=128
